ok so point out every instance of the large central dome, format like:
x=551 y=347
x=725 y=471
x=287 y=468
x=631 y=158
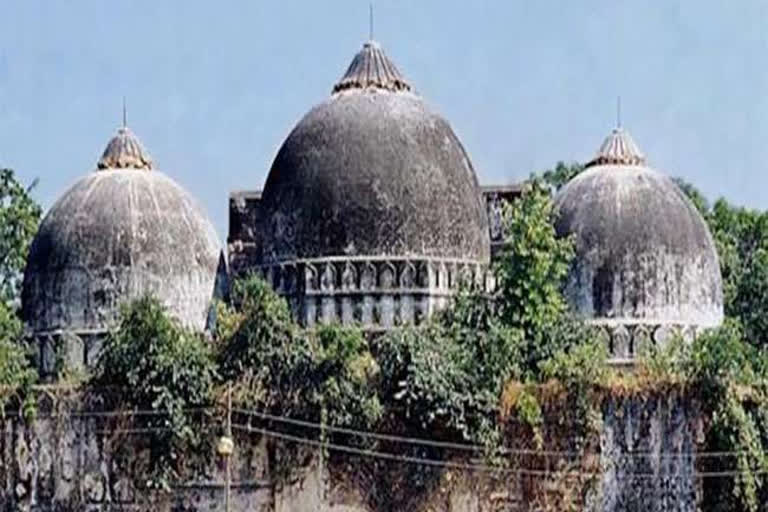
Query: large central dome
x=373 y=171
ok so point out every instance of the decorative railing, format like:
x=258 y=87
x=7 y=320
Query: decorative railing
x=373 y=292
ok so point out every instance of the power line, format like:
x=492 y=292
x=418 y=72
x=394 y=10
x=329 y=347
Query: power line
x=117 y=414
x=367 y=453
x=360 y=433
x=472 y=466
x=373 y=435
x=470 y=447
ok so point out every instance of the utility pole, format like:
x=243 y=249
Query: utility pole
x=229 y=435
x=321 y=480
x=225 y=447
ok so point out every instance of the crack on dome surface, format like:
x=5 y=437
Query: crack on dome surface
x=125 y=151
x=372 y=69
x=618 y=149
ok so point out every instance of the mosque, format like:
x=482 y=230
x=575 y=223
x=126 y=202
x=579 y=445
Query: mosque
x=371 y=214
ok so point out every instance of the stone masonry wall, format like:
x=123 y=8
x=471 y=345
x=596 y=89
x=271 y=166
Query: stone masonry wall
x=64 y=461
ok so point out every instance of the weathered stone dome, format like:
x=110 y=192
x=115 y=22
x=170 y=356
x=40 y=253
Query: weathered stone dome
x=373 y=171
x=120 y=232
x=644 y=254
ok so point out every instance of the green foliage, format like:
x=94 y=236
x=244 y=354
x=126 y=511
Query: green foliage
x=558 y=177
x=16 y=374
x=740 y=429
x=580 y=369
x=325 y=375
x=580 y=366
x=19 y=218
x=533 y=262
x=449 y=375
x=696 y=197
x=159 y=366
x=343 y=372
x=530 y=272
x=434 y=380
x=667 y=363
x=720 y=358
x=528 y=409
x=741 y=237
x=259 y=335
x=730 y=378
x=281 y=368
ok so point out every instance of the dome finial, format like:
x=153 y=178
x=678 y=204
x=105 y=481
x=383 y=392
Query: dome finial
x=124 y=151
x=125 y=116
x=618 y=112
x=372 y=69
x=618 y=148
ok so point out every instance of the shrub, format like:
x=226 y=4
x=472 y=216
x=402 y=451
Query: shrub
x=159 y=366
x=278 y=367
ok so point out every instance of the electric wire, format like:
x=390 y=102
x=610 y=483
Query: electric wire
x=471 y=466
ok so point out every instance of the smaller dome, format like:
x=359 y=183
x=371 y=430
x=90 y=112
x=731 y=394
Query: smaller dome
x=117 y=234
x=644 y=254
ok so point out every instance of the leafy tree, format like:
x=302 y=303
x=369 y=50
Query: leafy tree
x=342 y=378
x=696 y=197
x=729 y=378
x=151 y=363
x=447 y=375
x=258 y=335
x=324 y=374
x=451 y=372
x=19 y=219
x=16 y=374
x=560 y=175
x=530 y=272
x=741 y=238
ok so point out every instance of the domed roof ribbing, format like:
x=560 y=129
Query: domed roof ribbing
x=373 y=171
x=117 y=234
x=643 y=251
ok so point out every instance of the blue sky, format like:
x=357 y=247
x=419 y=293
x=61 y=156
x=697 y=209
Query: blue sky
x=213 y=88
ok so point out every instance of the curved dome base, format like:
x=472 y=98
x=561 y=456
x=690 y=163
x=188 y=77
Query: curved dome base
x=643 y=252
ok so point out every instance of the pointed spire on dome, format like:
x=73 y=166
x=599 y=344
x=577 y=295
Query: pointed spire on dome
x=618 y=149
x=125 y=151
x=371 y=68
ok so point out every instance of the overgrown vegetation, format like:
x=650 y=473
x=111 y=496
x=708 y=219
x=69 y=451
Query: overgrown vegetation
x=729 y=377
x=162 y=375
x=327 y=373
x=16 y=374
x=450 y=374
x=19 y=218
